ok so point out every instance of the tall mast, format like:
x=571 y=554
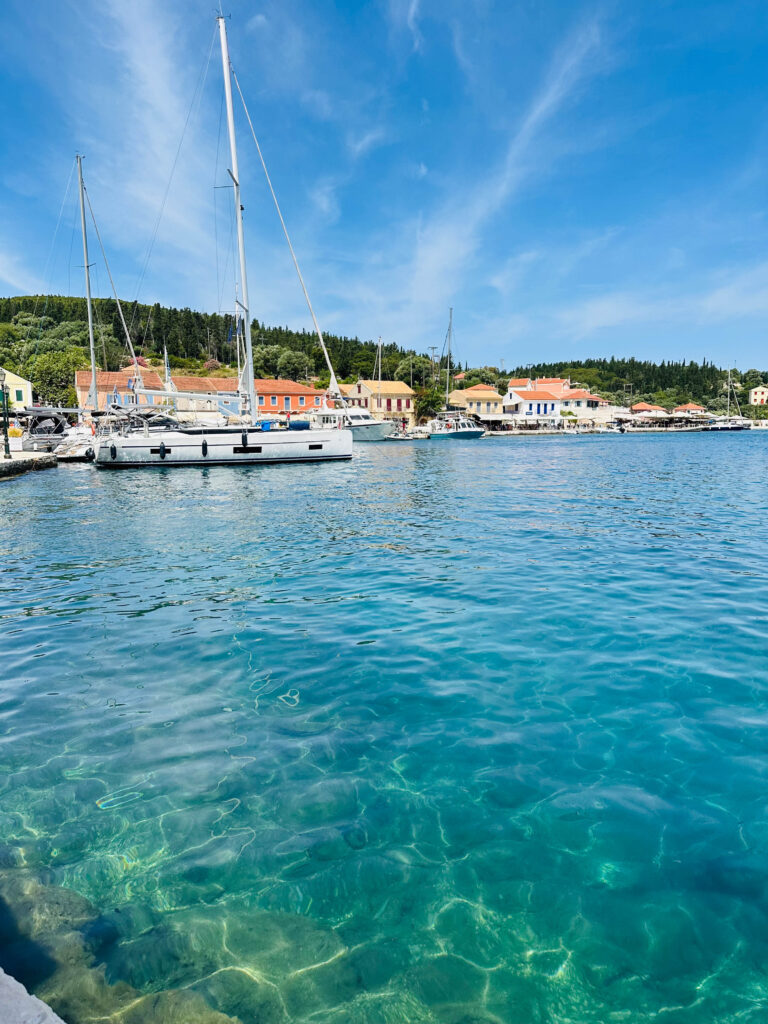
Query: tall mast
x=250 y=388
x=729 y=391
x=93 y=393
x=448 y=372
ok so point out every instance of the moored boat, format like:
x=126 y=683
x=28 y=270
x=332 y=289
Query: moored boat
x=155 y=438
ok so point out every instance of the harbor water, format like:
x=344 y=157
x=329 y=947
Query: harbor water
x=461 y=733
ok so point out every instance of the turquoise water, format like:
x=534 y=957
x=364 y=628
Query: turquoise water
x=458 y=733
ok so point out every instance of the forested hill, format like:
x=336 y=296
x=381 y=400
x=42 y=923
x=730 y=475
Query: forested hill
x=188 y=335
x=45 y=338
x=634 y=379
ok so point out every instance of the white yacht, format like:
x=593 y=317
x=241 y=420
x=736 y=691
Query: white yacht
x=363 y=425
x=146 y=435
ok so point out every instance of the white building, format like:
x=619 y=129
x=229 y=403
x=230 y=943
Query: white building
x=758 y=395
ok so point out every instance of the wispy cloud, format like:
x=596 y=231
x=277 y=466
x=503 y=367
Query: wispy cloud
x=360 y=145
x=404 y=16
x=733 y=294
x=444 y=243
x=14 y=275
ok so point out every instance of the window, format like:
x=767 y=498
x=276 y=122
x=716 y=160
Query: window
x=365 y=402
x=261 y=399
x=273 y=399
x=538 y=407
x=407 y=403
x=487 y=406
x=317 y=401
x=287 y=402
x=389 y=405
x=19 y=395
x=378 y=403
x=399 y=404
x=301 y=399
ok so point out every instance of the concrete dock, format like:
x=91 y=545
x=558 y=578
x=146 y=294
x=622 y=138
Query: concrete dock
x=17 y=1006
x=24 y=462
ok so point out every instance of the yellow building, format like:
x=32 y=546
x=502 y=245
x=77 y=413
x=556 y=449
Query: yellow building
x=19 y=390
x=481 y=400
x=385 y=400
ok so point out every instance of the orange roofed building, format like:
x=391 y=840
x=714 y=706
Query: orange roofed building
x=690 y=407
x=646 y=407
x=273 y=396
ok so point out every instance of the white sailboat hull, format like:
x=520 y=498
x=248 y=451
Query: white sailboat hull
x=223 y=447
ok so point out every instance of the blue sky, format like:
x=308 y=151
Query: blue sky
x=576 y=179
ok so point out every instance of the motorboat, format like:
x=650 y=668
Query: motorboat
x=453 y=425
x=364 y=426
x=47 y=428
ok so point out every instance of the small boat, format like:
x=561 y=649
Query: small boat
x=409 y=435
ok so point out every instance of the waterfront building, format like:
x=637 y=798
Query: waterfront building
x=115 y=387
x=533 y=404
x=646 y=407
x=546 y=398
x=758 y=395
x=273 y=396
x=481 y=401
x=385 y=400
x=582 y=403
x=19 y=389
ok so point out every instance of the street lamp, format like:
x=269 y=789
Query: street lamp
x=4 y=393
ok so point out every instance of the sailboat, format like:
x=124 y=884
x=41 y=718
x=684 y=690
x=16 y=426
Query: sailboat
x=144 y=435
x=452 y=425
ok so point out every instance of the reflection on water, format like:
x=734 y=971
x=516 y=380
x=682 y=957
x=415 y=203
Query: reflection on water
x=470 y=732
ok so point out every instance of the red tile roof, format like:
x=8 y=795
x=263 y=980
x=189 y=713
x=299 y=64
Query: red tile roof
x=106 y=380
x=459 y=376
x=480 y=387
x=690 y=407
x=538 y=396
x=645 y=407
x=519 y=382
x=582 y=395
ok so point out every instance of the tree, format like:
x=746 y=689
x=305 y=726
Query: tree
x=53 y=376
x=428 y=402
x=752 y=379
x=420 y=365
x=265 y=360
x=292 y=365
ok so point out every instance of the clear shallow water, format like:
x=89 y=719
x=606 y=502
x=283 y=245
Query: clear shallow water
x=468 y=732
